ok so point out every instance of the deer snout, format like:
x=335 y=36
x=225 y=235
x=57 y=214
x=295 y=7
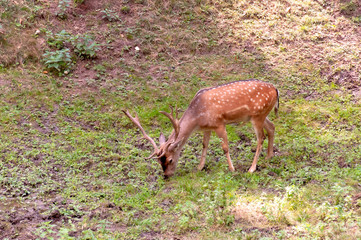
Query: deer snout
x=168 y=174
x=169 y=170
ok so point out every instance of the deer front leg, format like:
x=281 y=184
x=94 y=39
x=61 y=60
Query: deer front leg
x=258 y=128
x=206 y=137
x=221 y=133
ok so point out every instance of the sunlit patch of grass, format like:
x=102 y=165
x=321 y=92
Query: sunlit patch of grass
x=296 y=212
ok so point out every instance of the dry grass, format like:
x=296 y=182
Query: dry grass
x=250 y=212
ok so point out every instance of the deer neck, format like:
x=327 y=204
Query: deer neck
x=187 y=124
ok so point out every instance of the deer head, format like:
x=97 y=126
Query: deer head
x=210 y=110
x=167 y=153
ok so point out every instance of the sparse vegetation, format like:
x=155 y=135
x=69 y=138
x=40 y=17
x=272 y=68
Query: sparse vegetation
x=73 y=168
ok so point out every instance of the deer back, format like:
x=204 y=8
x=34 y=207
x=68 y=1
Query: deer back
x=233 y=102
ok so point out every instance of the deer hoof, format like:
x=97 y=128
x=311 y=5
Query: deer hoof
x=252 y=169
x=231 y=168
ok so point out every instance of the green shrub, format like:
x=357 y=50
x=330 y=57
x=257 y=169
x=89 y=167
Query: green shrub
x=63 y=6
x=125 y=9
x=59 y=39
x=84 y=46
x=110 y=15
x=58 y=61
x=78 y=2
x=348 y=7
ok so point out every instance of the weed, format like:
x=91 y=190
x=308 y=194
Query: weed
x=348 y=7
x=63 y=7
x=125 y=9
x=58 y=61
x=110 y=15
x=46 y=229
x=59 y=39
x=356 y=19
x=130 y=33
x=85 y=46
x=79 y=1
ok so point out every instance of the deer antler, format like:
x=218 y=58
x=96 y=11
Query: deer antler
x=135 y=120
x=174 y=121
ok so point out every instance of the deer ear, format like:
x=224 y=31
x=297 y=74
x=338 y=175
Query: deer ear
x=161 y=139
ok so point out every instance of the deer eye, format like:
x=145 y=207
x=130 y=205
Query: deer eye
x=170 y=160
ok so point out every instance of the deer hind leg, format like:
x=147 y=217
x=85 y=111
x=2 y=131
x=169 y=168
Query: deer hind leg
x=206 y=137
x=258 y=128
x=221 y=133
x=270 y=128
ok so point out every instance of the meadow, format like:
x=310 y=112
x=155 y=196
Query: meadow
x=72 y=166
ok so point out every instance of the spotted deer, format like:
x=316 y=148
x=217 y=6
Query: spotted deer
x=210 y=110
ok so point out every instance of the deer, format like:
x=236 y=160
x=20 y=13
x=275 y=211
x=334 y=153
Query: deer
x=210 y=110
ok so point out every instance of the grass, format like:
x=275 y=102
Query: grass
x=73 y=167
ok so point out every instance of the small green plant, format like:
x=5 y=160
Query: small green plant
x=85 y=46
x=110 y=15
x=63 y=6
x=357 y=19
x=78 y=2
x=59 y=39
x=58 y=61
x=45 y=229
x=348 y=7
x=129 y=33
x=125 y=9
